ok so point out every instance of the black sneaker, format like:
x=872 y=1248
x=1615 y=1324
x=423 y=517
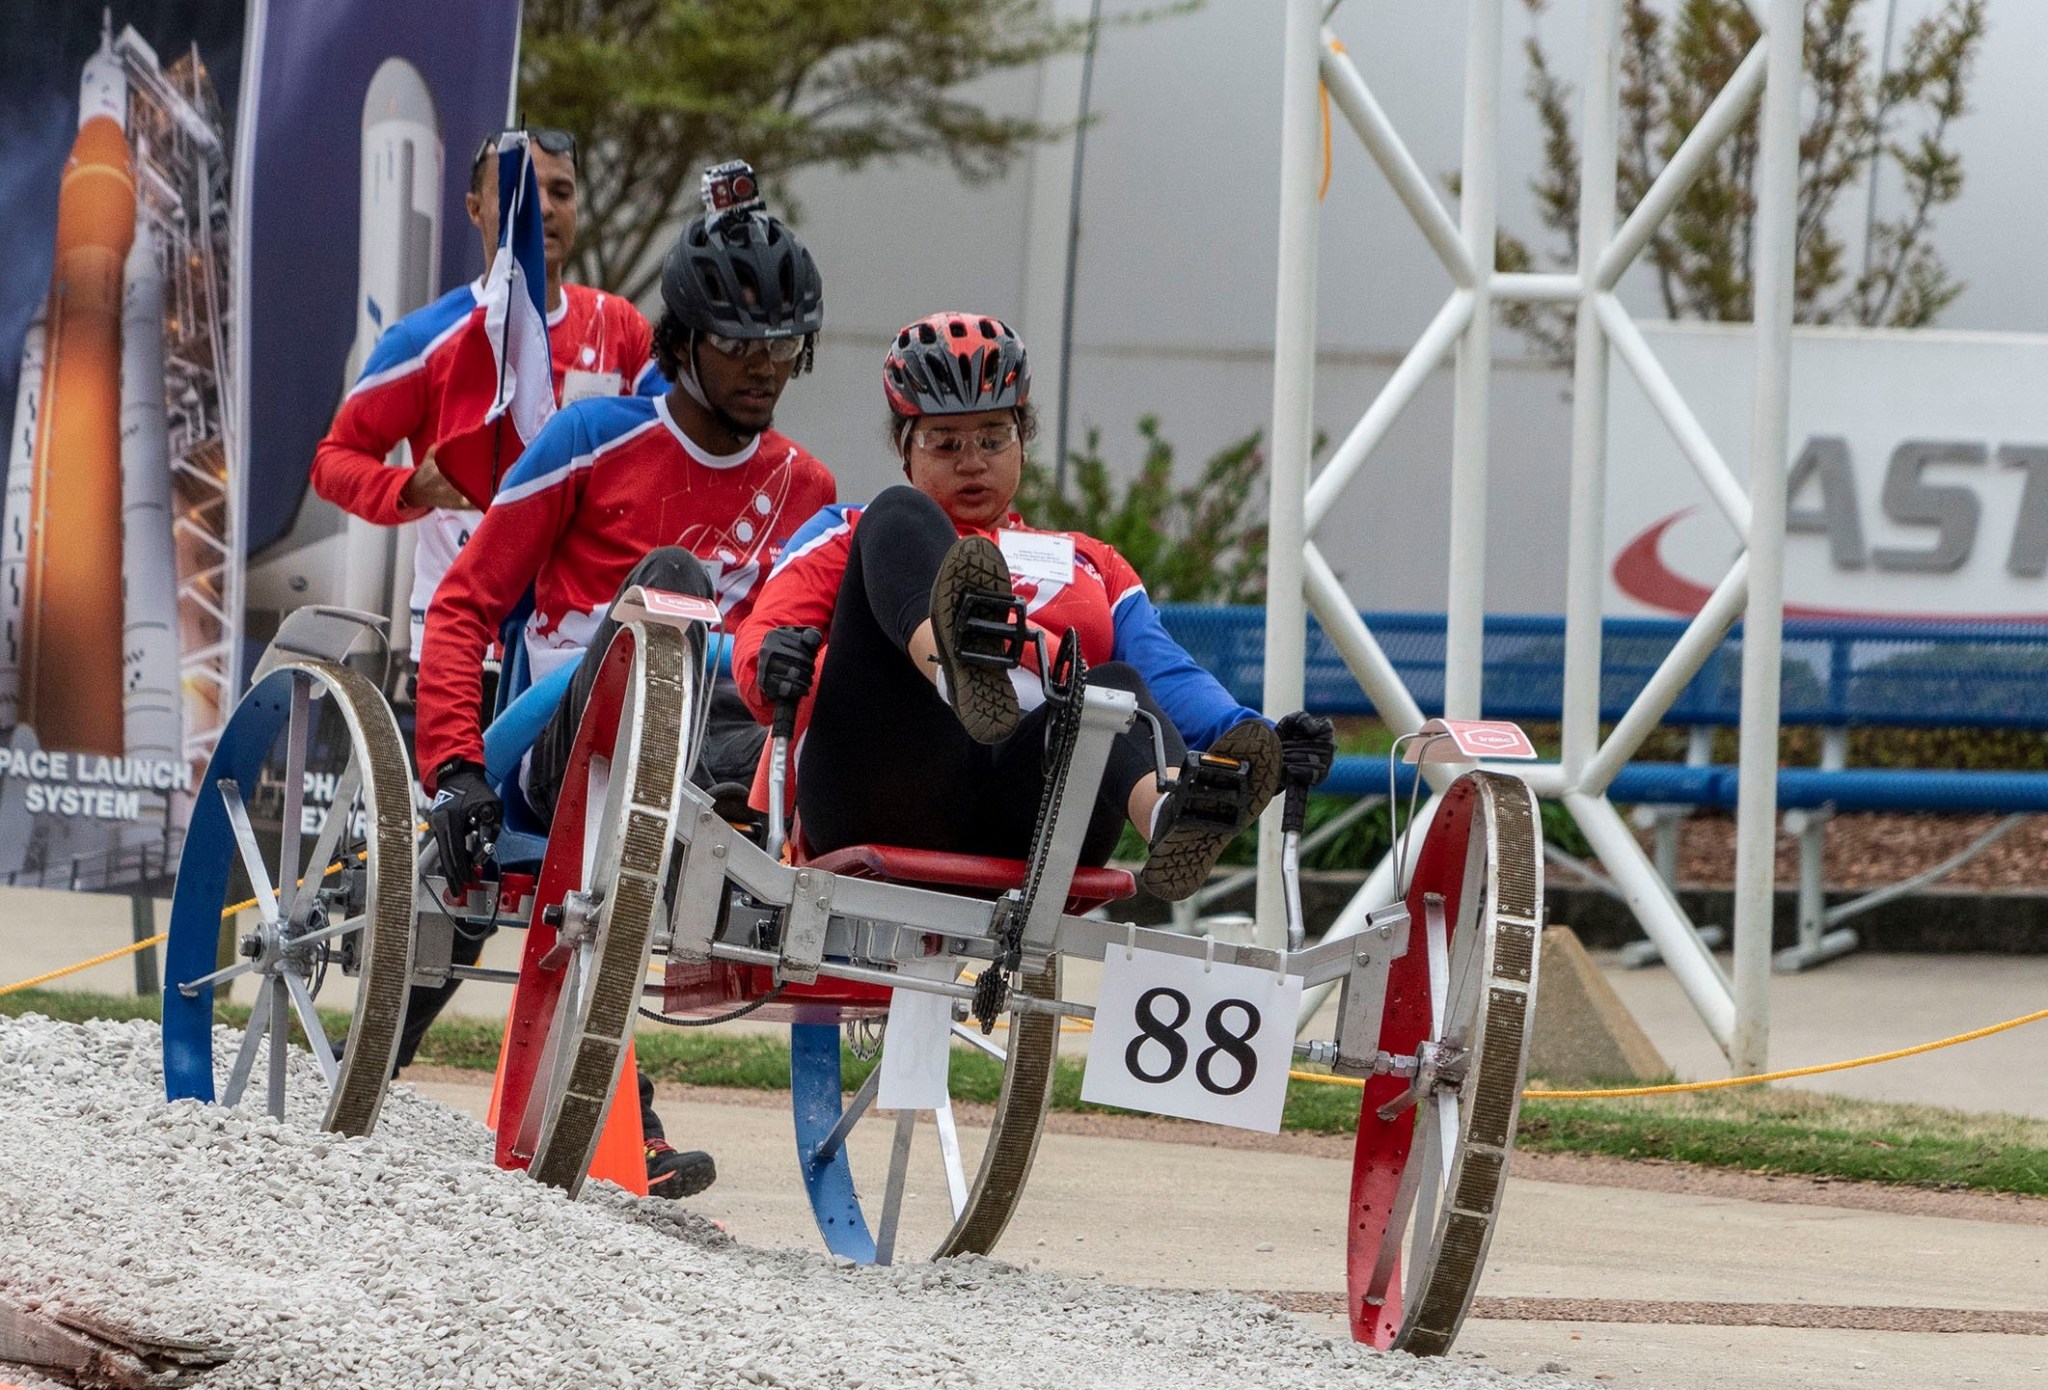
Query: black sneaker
x=977 y=684
x=1221 y=791
x=673 y=1172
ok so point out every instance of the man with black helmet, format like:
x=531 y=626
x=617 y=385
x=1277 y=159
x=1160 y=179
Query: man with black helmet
x=690 y=492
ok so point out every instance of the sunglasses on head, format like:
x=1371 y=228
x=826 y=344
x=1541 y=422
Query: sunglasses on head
x=550 y=140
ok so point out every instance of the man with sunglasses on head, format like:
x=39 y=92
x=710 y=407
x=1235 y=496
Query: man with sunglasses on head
x=432 y=377
x=690 y=492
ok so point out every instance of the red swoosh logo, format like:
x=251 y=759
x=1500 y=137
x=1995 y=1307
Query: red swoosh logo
x=1640 y=572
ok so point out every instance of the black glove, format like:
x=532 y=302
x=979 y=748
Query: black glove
x=788 y=655
x=465 y=817
x=1308 y=743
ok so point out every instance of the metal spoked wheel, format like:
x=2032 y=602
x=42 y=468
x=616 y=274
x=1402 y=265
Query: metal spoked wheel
x=1431 y=1161
x=346 y=904
x=926 y=1204
x=597 y=903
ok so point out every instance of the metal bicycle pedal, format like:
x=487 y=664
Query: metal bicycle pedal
x=1215 y=792
x=989 y=629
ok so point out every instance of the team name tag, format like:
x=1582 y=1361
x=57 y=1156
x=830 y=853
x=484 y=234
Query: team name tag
x=583 y=386
x=1030 y=555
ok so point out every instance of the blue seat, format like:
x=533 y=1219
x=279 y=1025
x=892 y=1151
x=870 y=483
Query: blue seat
x=524 y=706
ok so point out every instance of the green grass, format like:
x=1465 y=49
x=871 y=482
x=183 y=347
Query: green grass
x=1755 y=1129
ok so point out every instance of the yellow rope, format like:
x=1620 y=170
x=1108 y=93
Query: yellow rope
x=32 y=981
x=1726 y=1082
x=230 y=910
x=1680 y=1087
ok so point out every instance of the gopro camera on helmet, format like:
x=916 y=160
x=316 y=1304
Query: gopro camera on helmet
x=732 y=188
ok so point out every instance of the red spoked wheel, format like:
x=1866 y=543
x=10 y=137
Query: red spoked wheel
x=1430 y=1166
x=598 y=901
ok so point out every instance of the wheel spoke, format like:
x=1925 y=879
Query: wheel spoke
x=245 y=1057
x=280 y=1035
x=309 y=1019
x=190 y=989
x=835 y=1139
x=892 y=1199
x=949 y=1149
x=1388 y=1265
x=1429 y=1189
x=1436 y=935
x=289 y=832
x=340 y=812
x=245 y=842
x=973 y=1036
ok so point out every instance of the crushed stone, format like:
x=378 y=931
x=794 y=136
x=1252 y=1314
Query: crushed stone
x=407 y=1259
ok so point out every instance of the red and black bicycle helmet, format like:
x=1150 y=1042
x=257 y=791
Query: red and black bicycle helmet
x=956 y=364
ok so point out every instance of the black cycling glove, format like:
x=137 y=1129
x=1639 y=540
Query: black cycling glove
x=465 y=816
x=788 y=655
x=1308 y=744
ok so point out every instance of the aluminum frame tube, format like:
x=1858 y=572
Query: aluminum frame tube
x=1362 y=111
x=1686 y=430
x=1387 y=407
x=1293 y=436
x=1699 y=641
x=1756 y=817
x=1663 y=920
x=1586 y=553
x=1465 y=610
x=1715 y=124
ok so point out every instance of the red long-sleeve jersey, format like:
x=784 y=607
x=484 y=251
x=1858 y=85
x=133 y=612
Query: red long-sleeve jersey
x=606 y=482
x=431 y=379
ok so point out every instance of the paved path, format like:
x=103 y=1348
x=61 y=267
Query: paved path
x=1190 y=1216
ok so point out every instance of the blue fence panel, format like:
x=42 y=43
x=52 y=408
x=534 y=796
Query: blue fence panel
x=1833 y=672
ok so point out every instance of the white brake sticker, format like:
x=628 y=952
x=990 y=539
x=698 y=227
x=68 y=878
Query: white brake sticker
x=1048 y=559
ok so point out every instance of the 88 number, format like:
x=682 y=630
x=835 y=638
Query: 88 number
x=1166 y=1032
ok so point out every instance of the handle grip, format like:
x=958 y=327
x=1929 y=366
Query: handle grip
x=784 y=725
x=1294 y=809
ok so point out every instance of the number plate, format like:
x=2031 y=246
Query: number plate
x=1175 y=1037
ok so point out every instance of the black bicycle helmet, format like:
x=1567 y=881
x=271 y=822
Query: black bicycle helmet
x=956 y=364
x=739 y=272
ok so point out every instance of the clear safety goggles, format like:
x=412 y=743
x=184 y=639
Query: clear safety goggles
x=778 y=349
x=989 y=441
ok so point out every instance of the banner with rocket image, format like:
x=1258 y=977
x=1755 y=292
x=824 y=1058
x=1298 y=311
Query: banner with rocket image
x=208 y=212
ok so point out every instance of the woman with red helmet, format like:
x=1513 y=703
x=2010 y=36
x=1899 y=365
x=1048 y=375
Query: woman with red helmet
x=907 y=741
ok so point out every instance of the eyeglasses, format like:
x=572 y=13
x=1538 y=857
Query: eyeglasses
x=778 y=349
x=989 y=441
x=550 y=140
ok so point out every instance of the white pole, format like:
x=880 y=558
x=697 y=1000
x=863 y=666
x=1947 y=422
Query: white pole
x=1466 y=608
x=1294 y=365
x=1586 y=549
x=1756 y=820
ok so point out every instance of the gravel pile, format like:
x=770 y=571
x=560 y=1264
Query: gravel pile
x=408 y=1260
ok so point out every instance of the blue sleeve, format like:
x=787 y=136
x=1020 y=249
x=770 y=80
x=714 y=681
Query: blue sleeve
x=1193 y=699
x=651 y=382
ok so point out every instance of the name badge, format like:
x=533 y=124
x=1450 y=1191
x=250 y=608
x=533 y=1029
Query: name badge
x=583 y=386
x=1031 y=555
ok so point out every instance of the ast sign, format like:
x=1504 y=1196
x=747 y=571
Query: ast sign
x=1918 y=489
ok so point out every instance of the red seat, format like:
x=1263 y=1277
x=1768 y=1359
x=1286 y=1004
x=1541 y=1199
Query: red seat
x=973 y=873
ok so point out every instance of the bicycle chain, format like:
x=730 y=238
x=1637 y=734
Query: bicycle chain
x=1065 y=685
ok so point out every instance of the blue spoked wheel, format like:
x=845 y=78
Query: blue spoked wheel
x=345 y=904
x=978 y=1208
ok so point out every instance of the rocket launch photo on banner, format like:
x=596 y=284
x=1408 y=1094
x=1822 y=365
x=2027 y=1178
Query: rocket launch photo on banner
x=117 y=539
x=211 y=211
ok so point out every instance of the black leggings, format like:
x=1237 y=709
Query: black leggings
x=732 y=737
x=884 y=759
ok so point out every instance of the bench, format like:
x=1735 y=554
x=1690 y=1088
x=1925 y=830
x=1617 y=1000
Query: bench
x=1838 y=675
